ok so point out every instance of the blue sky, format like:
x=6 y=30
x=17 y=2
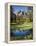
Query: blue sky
x=18 y=8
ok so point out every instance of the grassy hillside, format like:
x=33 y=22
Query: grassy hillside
x=22 y=26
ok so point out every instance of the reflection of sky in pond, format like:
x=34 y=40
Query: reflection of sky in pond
x=26 y=32
x=22 y=8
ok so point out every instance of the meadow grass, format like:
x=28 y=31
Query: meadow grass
x=24 y=26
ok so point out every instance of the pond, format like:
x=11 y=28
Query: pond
x=21 y=33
